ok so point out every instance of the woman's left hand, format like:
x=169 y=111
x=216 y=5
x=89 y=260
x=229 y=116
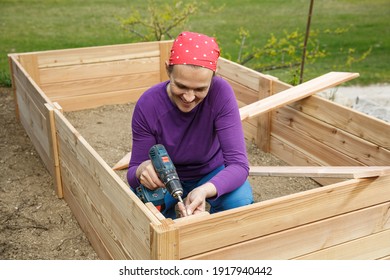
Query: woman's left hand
x=196 y=200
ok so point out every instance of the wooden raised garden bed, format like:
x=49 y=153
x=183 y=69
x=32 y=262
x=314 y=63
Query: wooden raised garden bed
x=346 y=218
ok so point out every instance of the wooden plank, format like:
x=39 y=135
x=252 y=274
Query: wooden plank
x=91 y=214
x=115 y=210
x=30 y=64
x=99 y=70
x=95 y=100
x=348 y=172
x=249 y=126
x=243 y=224
x=370 y=247
x=25 y=120
x=97 y=54
x=308 y=238
x=315 y=150
x=236 y=72
x=264 y=120
x=296 y=93
x=100 y=85
x=35 y=121
x=108 y=221
x=290 y=155
x=123 y=163
x=279 y=86
x=352 y=121
x=23 y=79
x=165 y=241
x=243 y=94
x=355 y=147
x=155 y=211
x=35 y=117
x=85 y=223
x=165 y=53
x=250 y=131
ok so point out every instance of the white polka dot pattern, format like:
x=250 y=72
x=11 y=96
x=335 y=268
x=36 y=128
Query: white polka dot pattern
x=195 y=48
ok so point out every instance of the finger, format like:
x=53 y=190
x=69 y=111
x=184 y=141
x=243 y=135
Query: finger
x=182 y=209
x=154 y=179
x=189 y=210
x=196 y=207
x=189 y=206
x=197 y=211
x=147 y=181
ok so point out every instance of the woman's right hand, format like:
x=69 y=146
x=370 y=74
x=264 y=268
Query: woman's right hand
x=148 y=176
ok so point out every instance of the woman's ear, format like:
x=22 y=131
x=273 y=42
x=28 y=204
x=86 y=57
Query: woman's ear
x=167 y=68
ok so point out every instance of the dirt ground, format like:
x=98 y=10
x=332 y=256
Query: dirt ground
x=35 y=224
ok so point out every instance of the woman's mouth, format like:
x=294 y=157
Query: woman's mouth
x=185 y=102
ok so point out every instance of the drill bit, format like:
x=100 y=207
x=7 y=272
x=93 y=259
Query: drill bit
x=178 y=197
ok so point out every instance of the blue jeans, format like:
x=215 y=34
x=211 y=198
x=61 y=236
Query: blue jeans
x=239 y=197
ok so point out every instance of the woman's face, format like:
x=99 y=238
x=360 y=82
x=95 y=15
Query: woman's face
x=188 y=86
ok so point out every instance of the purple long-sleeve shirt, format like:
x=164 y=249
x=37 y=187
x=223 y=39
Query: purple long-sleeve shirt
x=199 y=141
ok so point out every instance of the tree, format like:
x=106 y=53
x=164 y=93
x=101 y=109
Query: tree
x=285 y=52
x=163 y=20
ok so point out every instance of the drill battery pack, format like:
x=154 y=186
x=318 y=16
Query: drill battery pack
x=156 y=197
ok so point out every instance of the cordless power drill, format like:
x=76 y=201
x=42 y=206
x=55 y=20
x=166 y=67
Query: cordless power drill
x=166 y=171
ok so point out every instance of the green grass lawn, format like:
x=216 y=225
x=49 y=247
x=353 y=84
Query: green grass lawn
x=32 y=25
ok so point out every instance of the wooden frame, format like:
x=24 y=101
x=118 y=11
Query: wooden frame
x=344 y=219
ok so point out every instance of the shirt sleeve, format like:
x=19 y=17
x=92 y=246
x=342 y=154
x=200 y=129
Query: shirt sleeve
x=228 y=126
x=142 y=140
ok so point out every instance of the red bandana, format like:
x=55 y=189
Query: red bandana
x=196 y=49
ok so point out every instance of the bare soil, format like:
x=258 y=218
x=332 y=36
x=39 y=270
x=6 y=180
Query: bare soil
x=35 y=224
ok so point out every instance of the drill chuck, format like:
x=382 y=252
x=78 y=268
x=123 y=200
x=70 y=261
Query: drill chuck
x=174 y=188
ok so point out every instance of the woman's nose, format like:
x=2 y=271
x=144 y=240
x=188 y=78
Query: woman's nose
x=189 y=96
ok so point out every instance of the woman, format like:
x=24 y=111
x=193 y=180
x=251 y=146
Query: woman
x=195 y=116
